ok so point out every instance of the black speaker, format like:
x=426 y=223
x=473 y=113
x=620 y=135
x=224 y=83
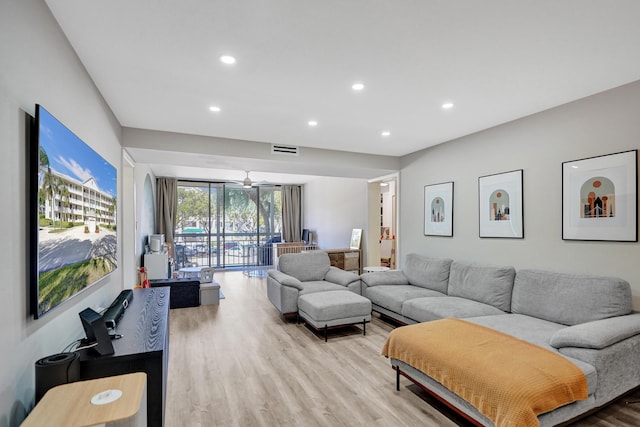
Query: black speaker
x=55 y=370
x=96 y=331
x=115 y=311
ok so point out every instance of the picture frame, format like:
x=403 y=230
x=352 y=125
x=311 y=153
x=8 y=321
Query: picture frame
x=438 y=209
x=500 y=205
x=599 y=198
x=356 y=236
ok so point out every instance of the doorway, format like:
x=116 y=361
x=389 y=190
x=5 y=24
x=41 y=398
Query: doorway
x=383 y=221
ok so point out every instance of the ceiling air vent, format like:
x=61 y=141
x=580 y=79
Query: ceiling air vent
x=284 y=149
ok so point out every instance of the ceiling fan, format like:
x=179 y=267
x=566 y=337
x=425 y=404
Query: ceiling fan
x=248 y=183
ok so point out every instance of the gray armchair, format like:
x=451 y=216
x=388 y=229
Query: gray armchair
x=303 y=273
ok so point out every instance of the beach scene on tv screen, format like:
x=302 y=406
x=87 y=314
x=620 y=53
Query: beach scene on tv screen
x=77 y=240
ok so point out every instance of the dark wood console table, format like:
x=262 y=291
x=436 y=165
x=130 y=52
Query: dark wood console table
x=346 y=259
x=144 y=347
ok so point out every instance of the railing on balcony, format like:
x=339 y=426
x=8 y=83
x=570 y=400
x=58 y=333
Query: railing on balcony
x=290 y=248
x=223 y=250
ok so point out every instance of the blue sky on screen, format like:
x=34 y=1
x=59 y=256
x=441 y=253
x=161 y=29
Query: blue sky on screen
x=69 y=155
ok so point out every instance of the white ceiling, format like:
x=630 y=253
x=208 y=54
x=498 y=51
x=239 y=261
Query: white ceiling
x=156 y=62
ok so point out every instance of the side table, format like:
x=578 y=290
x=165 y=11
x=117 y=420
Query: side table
x=190 y=272
x=104 y=401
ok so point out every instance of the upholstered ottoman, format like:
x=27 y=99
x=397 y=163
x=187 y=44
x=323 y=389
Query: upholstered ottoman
x=210 y=293
x=329 y=309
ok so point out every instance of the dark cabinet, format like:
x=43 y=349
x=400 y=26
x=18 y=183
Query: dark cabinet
x=144 y=347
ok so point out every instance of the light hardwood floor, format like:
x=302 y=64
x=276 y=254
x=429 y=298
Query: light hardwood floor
x=241 y=364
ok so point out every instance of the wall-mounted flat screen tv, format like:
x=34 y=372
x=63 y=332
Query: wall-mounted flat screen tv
x=72 y=203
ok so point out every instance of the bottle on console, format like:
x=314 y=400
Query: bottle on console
x=144 y=278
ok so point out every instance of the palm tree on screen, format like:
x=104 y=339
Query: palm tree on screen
x=63 y=191
x=49 y=187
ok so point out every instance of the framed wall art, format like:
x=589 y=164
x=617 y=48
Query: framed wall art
x=599 y=198
x=500 y=205
x=356 y=236
x=438 y=209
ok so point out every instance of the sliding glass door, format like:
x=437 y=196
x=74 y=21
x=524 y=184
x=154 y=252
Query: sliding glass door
x=225 y=225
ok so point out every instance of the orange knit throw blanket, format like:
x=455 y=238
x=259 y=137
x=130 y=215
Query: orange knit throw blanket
x=508 y=380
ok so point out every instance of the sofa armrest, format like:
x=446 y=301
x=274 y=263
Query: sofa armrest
x=285 y=279
x=392 y=277
x=597 y=334
x=340 y=277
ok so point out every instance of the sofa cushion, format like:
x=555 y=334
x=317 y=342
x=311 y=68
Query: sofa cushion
x=392 y=297
x=430 y=273
x=319 y=286
x=390 y=277
x=490 y=284
x=569 y=299
x=433 y=308
x=305 y=266
x=534 y=330
x=538 y=332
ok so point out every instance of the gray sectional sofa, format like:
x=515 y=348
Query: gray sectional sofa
x=587 y=319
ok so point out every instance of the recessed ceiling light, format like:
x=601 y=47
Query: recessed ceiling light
x=447 y=105
x=214 y=108
x=357 y=86
x=312 y=123
x=227 y=59
x=385 y=133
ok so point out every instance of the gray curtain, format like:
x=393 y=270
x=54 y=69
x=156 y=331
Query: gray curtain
x=167 y=207
x=291 y=213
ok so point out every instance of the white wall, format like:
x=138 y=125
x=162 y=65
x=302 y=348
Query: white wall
x=39 y=66
x=601 y=124
x=332 y=207
x=145 y=189
x=139 y=216
x=127 y=222
x=150 y=146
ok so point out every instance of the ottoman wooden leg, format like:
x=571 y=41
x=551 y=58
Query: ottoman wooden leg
x=326 y=328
